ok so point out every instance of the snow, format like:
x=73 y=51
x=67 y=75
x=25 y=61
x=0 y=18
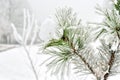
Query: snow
x=14 y=65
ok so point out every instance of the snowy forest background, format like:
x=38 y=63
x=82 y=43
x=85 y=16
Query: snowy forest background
x=14 y=64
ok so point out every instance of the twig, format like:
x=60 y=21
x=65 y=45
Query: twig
x=110 y=63
x=83 y=59
x=118 y=35
x=112 y=59
x=31 y=63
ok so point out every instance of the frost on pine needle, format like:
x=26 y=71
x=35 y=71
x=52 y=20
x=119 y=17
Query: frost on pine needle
x=66 y=17
x=109 y=32
x=71 y=47
x=111 y=23
x=108 y=60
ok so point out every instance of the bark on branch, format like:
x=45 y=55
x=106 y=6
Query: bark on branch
x=83 y=59
x=110 y=63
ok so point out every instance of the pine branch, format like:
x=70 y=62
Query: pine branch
x=118 y=35
x=83 y=59
x=110 y=63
